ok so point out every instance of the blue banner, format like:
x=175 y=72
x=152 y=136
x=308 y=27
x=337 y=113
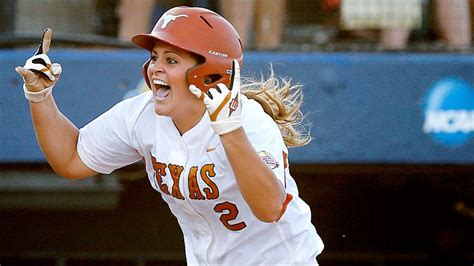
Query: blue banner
x=363 y=107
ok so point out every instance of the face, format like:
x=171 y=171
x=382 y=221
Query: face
x=167 y=75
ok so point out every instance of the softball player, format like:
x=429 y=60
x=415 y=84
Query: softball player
x=215 y=150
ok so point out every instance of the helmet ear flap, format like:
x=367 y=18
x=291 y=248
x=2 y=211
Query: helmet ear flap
x=199 y=75
x=144 y=72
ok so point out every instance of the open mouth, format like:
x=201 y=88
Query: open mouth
x=163 y=89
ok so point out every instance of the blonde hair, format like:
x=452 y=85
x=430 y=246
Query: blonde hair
x=281 y=101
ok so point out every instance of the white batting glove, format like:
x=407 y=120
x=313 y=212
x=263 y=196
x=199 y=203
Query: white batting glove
x=223 y=104
x=39 y=74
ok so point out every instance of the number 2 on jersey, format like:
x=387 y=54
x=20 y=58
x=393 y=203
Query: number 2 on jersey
x=231 y=214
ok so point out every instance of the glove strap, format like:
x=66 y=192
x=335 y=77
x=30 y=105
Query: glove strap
x=228 y=125
x=38 y=96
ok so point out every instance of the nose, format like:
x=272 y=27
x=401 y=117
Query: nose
x=155 y=66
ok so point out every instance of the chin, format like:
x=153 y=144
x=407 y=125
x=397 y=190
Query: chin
x=159 y=110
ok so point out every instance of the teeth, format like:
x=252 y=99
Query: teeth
x=160 y=82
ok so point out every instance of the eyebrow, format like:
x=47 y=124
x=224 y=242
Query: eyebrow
x=165 y=52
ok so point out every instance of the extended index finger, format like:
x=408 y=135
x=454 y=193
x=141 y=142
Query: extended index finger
x=235 y=79
x=45 y=42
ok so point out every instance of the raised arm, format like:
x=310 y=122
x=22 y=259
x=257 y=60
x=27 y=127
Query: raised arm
x=56 y=135
x=259 y=186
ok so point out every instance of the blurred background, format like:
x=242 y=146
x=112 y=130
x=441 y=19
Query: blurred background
x=389 y=95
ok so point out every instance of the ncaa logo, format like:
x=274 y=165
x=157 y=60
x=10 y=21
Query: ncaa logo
x=449 y=112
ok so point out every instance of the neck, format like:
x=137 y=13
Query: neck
x=188 y=120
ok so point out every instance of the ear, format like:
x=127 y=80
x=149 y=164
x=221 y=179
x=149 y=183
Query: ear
x=145 y=73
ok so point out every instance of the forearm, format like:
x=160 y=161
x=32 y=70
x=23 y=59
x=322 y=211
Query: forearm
x=56 y=135
x=258 y=184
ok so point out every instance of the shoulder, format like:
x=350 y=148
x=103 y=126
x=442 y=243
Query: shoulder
x=134 y=107
x=256 y=121
x=252 y=112
x=139 y=101
x=127 y=113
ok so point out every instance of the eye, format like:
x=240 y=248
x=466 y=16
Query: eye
x=171 y=60
x=153 y=58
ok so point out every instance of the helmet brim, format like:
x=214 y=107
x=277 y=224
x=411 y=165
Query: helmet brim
x=146 y=41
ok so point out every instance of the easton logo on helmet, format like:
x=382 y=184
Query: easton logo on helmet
x=218 y=54
x=449 y=112
x=168 y=18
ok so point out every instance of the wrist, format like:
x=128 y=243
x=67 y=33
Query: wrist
x=226 y=126
x=38 y=96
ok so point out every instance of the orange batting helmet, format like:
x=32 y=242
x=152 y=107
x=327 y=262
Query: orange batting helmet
x=202 y=32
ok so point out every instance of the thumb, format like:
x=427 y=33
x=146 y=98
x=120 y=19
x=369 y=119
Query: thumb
x=27 y=75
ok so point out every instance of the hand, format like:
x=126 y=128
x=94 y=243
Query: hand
x=223 y=104
x=38 y=73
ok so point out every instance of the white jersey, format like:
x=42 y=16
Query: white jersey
x=194 y=177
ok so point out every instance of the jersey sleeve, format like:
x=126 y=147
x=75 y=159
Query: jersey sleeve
x=106 y=143
x=265 y=137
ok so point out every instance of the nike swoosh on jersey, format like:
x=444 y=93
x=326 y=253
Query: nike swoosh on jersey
x=209 y=149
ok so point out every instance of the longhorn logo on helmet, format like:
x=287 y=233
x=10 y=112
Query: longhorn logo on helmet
x=168 y=18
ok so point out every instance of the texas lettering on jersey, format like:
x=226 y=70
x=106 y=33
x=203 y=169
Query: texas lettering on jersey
x=228 y=209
